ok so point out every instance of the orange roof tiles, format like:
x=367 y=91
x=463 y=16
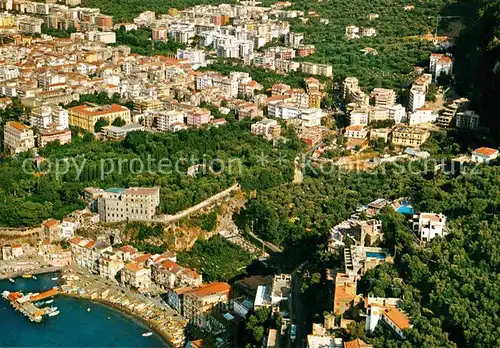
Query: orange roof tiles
x=50 y=223
x=357 y=128
x=398 y=318
x=134 y=267
x=485 y=151
x=341 y=293
x=357 y=343
x=142 y=258
x=212 y=288
x=85 y=109
x=17 y=125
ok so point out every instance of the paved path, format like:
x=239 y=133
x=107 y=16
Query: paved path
x=206 y=203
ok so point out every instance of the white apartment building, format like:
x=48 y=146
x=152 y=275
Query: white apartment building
x=194 y=56
x=440 y=64
x=107 y=37
x=316 y=69
x=429 y=225
x=41 y=117
x=356 y=132
x=384 y=97
x=359 y=116
x=417 y=97
x=268 y=128
x=110 y=264
x=165 y=119
x=18 y=137
x=131 y=204
x=422 y=115
x=294 y=39
x=136 y=276
x=46 y=116
x=8 y=72
x=310 y=116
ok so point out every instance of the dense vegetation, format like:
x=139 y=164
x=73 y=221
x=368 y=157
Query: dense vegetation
x=140 y=42
x=477 y=65
x=230 y=153
x=216 y=258
x=448 y=288
x=126 y=11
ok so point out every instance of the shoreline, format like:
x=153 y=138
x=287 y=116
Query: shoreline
x=151 y=326
x=33 y=272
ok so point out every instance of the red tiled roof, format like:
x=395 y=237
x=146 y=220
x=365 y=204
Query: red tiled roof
x=485 y=151
x=398 y=318
x=17 y=125
x=357 y=343
x=50 y=223
x=212 y=288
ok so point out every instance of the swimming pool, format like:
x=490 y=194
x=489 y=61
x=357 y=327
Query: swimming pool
x=375 y=255
x=405 y=210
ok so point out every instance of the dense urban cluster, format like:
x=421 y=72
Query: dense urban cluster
x=207 y=169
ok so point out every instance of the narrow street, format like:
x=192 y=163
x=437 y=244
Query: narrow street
x=299 y=314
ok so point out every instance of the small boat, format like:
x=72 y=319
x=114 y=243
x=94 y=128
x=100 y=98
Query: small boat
x=147 y=334
x=55 y=278
x=12 y=280
x=88 y=309
x=109 y=318
x=34 y=277
x=27 y=275
x=38 y=304
x=49 y=301
x=53 y=314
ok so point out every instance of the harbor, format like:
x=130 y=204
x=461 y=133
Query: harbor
x=26 y=304
x=160 y=318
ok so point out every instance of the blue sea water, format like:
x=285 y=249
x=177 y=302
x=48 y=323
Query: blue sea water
x=74 y=326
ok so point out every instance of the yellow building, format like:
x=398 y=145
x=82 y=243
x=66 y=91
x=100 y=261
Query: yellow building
x=409 y=136
x=315 y=99
x=6 y=20
x=173 y=12
x=85 y=116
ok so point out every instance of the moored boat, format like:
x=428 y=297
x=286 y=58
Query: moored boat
x=34 y=277
x=27 y=275
x=147 y=334
x=49 y=301
x=53 y=314
x=55 y=278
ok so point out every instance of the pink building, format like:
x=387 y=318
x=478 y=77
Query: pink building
x=198 y=117
x=64 y=137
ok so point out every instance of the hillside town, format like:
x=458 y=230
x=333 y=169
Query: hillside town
x=68 y=78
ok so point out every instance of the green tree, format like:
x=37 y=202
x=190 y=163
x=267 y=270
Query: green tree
x=99 y=124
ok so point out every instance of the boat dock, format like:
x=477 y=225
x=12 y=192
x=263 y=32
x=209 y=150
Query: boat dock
x=26 y=303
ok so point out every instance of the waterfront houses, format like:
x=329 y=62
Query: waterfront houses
x=136 y=276
x=169 y=274
x=201 y=301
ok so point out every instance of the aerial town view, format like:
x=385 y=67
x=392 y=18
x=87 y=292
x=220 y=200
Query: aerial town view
x=229 y=173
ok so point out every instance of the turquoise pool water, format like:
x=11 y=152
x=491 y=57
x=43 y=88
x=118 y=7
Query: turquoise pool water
x=376 y=255
x=405 y=210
